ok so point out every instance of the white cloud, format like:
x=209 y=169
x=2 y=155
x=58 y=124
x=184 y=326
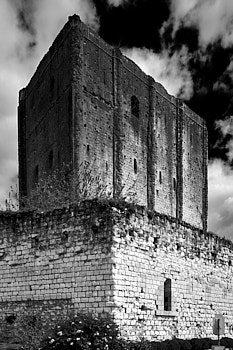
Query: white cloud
x=51 y=16
x=225 y=127
x=220 y=218
x=171 y=72
x=179 y=10
x=116 y=2
x=213 y=18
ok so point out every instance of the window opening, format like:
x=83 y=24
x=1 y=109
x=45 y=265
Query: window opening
x=135 y=106
x=167 y=295
x=50 y=159
x=52 y=80
x=160 y=177
x=135 y=166
x=174 y=183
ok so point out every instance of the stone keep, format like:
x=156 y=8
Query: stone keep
x=153 y=266
x=87 y=102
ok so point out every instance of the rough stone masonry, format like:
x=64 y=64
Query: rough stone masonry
x=159 y=277
x=152 y=266
x=87 y=102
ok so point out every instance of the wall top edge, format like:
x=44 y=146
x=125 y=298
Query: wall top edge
x=108 y=208
x=74 y=22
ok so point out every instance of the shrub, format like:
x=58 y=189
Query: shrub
x=156 y=345
x=184 y=344
x=30 y=328
x=227 y=342
x=84 y=332
x=173 y=344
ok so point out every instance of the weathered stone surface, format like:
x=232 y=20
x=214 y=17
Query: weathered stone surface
x=87 y=102
x=99 y=258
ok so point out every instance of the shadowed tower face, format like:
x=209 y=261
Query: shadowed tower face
x=87 y=103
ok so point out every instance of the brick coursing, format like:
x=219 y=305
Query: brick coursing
x=103 y=257
x=150 y=248
x=56 y=258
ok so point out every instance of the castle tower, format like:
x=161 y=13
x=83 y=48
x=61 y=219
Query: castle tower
x=87 y=102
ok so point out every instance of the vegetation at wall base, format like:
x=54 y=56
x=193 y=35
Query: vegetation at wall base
x=82 y=331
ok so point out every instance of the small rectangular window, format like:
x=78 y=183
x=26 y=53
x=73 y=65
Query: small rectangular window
x=160 y=177
x=167 y=295
x=135 y=106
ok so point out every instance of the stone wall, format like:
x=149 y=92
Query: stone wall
x=158 y=276
x=56 y=260
x=78 y=108
x=148 y=250
x=45 y=115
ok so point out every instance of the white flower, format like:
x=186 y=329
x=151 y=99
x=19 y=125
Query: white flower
x=59 y=333
x=79 y=331
x=71 y=343
x=77 y=338
x=52 y=341
x=68 y=339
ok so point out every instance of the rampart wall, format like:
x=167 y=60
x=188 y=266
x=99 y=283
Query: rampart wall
x=103 y=257
x=55 y=261
x=150 y=249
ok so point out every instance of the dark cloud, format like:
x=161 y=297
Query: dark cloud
x=25 y=12
x=135 y=23
x=212 y=91
x=183 y=36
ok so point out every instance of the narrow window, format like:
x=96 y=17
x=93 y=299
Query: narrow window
x=160 y=177
x=135 y=166
x=174 y=183
x=167 y=295
x=88 y=149
x=50 y=159
x=156 y=241
x=135 y=106
x=52 y=84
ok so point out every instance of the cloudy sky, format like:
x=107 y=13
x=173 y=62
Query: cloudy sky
x=187 y=45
